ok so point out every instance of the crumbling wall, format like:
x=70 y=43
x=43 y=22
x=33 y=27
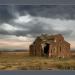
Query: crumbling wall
x=58 y=47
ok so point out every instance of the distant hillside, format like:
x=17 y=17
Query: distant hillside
x=13 y=49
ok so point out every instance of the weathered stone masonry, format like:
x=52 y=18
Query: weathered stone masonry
x=51 y=46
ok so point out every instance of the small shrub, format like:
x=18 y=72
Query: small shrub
x=22 y=68
x=60 y=66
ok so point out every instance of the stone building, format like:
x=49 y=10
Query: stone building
x=51 y=46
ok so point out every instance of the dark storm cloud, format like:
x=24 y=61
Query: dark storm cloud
x=39 y=29
x=3 y=32
x=36 y=30
x=7 y=15
x=66 y=33
x=53 y=11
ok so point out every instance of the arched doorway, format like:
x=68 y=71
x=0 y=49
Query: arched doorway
x=46 y=49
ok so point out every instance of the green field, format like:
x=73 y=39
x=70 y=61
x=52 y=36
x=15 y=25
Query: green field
x=22 y=61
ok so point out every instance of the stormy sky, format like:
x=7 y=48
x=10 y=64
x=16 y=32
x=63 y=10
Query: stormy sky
x=20 y=24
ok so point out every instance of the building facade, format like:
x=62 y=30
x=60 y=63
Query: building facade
x=51 y=46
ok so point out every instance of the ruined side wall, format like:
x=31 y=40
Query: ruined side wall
x=59 y=50
x=53 y=50
x=66 y=49
x=63 y=47
x=36 y=48
x=32 y=50
x=59 y=38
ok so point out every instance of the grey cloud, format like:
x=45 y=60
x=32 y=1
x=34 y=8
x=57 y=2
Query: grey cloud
x=66 y=33
x=53 y=11
x=3 y=32
x=39 y=28
x=7 y=14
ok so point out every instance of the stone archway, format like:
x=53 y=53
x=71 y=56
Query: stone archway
x=46 y=49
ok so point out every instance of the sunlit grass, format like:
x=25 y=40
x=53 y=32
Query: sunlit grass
x=26 y=62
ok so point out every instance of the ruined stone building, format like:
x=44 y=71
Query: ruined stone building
x=51 y=46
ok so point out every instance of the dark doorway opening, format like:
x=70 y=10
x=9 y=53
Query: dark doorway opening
x=46 y=49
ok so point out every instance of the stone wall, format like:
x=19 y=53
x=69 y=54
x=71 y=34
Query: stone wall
x=58 y=47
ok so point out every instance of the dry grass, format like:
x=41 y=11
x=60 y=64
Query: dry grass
x=22 y=61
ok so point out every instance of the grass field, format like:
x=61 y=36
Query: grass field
x=22 y=61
